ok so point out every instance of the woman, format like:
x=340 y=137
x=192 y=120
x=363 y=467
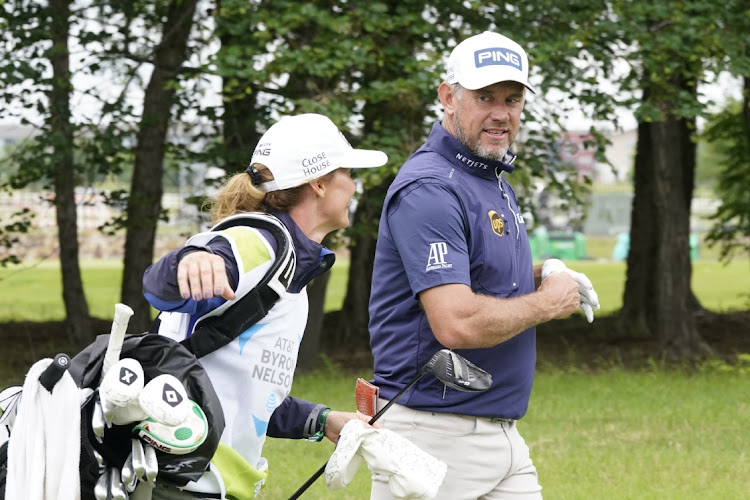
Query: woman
x=300 y=176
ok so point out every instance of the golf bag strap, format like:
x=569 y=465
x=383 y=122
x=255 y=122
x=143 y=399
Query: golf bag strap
x=212 y=332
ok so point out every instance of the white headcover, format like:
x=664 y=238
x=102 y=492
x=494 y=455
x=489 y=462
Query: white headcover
x=413 y=474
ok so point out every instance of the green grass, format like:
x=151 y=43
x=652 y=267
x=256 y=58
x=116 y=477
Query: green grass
x=609 y=435
x=34 y=293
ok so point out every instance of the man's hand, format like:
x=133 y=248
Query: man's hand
x=203 y=275
x=560 y=295
x=589 y=298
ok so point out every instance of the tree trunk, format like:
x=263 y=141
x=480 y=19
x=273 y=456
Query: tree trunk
x=638 y=280
x=673 y=318
x=658 y=300
x=76 y=308
x=144 y=206
x=352 y=326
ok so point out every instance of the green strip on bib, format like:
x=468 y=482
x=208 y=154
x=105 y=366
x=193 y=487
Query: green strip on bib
x=251 y=249
x=241 y=480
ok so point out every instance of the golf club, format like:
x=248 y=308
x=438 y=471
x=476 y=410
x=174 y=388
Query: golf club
x=449 y=368
x=116 y=336
x=129 y=479
x=152 y=464
x=139 y=459
x=103 y=409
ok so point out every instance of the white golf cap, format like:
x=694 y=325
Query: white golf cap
x=488 y=58
x=300 y=148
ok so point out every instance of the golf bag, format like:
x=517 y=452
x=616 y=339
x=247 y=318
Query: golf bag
x=161 y=355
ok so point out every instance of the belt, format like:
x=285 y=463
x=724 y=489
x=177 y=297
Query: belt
x=501 y=420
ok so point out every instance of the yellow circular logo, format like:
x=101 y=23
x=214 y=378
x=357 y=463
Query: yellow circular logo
x=498 y=226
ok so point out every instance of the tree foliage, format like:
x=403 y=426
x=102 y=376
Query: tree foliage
x=728 y=132
x=373 y=67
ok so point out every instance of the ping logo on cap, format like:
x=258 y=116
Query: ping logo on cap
x=497 y=56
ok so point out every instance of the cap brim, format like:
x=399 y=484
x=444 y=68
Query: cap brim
x=480 y=84
x=364 y=158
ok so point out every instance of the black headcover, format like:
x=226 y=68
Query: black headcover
x=157 y=354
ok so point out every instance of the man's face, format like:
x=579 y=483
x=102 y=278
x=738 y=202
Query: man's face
x=487 y=120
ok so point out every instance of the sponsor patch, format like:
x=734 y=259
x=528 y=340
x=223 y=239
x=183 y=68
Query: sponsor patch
x=497 y=56
x=498 y=226
x=436 y=258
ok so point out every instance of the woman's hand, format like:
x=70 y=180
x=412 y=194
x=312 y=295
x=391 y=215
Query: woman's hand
x=336 y=421
x=203 y=275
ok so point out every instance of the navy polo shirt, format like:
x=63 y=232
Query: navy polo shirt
x=449 y=217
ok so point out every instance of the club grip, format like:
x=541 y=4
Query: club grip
x=116 y=336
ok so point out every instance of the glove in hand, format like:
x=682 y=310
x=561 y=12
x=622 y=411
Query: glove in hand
x=589 y=297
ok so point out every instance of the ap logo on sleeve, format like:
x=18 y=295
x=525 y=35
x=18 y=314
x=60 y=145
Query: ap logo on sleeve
x=436 y=258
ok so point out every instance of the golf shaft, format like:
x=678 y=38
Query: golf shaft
x=390 y=403
x=116 y=336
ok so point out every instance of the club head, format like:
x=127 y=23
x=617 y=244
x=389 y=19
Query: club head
x=100 y=462
x=129 y=479
x=97 y=421
x=138 y=459
x=116 y=488
x=101 y=488
x=152 y=463
x=457 y=372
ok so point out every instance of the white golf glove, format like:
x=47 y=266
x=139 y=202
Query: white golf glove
x=589 y=298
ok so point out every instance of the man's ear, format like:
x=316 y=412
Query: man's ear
x=447 y=97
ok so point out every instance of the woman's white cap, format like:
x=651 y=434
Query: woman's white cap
x=298 y=149
x=486 y=59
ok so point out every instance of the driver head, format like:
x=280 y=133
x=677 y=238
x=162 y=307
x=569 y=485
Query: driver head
x=458 y=373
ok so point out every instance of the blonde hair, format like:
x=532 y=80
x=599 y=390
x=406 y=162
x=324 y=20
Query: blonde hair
x=239 y=194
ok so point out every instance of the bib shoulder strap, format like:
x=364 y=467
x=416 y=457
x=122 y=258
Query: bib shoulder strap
x=212 y=332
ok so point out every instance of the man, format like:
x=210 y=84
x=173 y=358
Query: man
x=453 y=269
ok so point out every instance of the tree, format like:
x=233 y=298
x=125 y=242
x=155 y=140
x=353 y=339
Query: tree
x=36 y=40
x=144 y=205
x=61 y=134
x=666 y=47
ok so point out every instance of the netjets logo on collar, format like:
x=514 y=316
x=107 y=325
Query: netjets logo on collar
x=497 y=224
x=471 y=163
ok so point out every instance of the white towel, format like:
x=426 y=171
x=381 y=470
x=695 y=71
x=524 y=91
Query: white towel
x=45 y=444
x=413 y=474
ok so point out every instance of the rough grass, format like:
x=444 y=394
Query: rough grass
x=614 y=434
x=34 y=292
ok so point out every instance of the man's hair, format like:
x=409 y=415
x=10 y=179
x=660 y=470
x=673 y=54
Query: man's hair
x=458 y=90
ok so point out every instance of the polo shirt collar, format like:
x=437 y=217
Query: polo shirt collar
x=442 y=142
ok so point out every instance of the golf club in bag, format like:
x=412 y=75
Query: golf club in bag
x=449 y=368
x=107 y=451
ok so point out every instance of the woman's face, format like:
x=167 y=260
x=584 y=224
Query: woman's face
x=339 y=192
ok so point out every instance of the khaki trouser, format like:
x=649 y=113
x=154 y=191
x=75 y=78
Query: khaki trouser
x=487 y=458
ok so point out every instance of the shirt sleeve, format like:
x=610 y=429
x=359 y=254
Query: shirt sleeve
x=289 y=419
x=160 y=280
x=428 y=228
